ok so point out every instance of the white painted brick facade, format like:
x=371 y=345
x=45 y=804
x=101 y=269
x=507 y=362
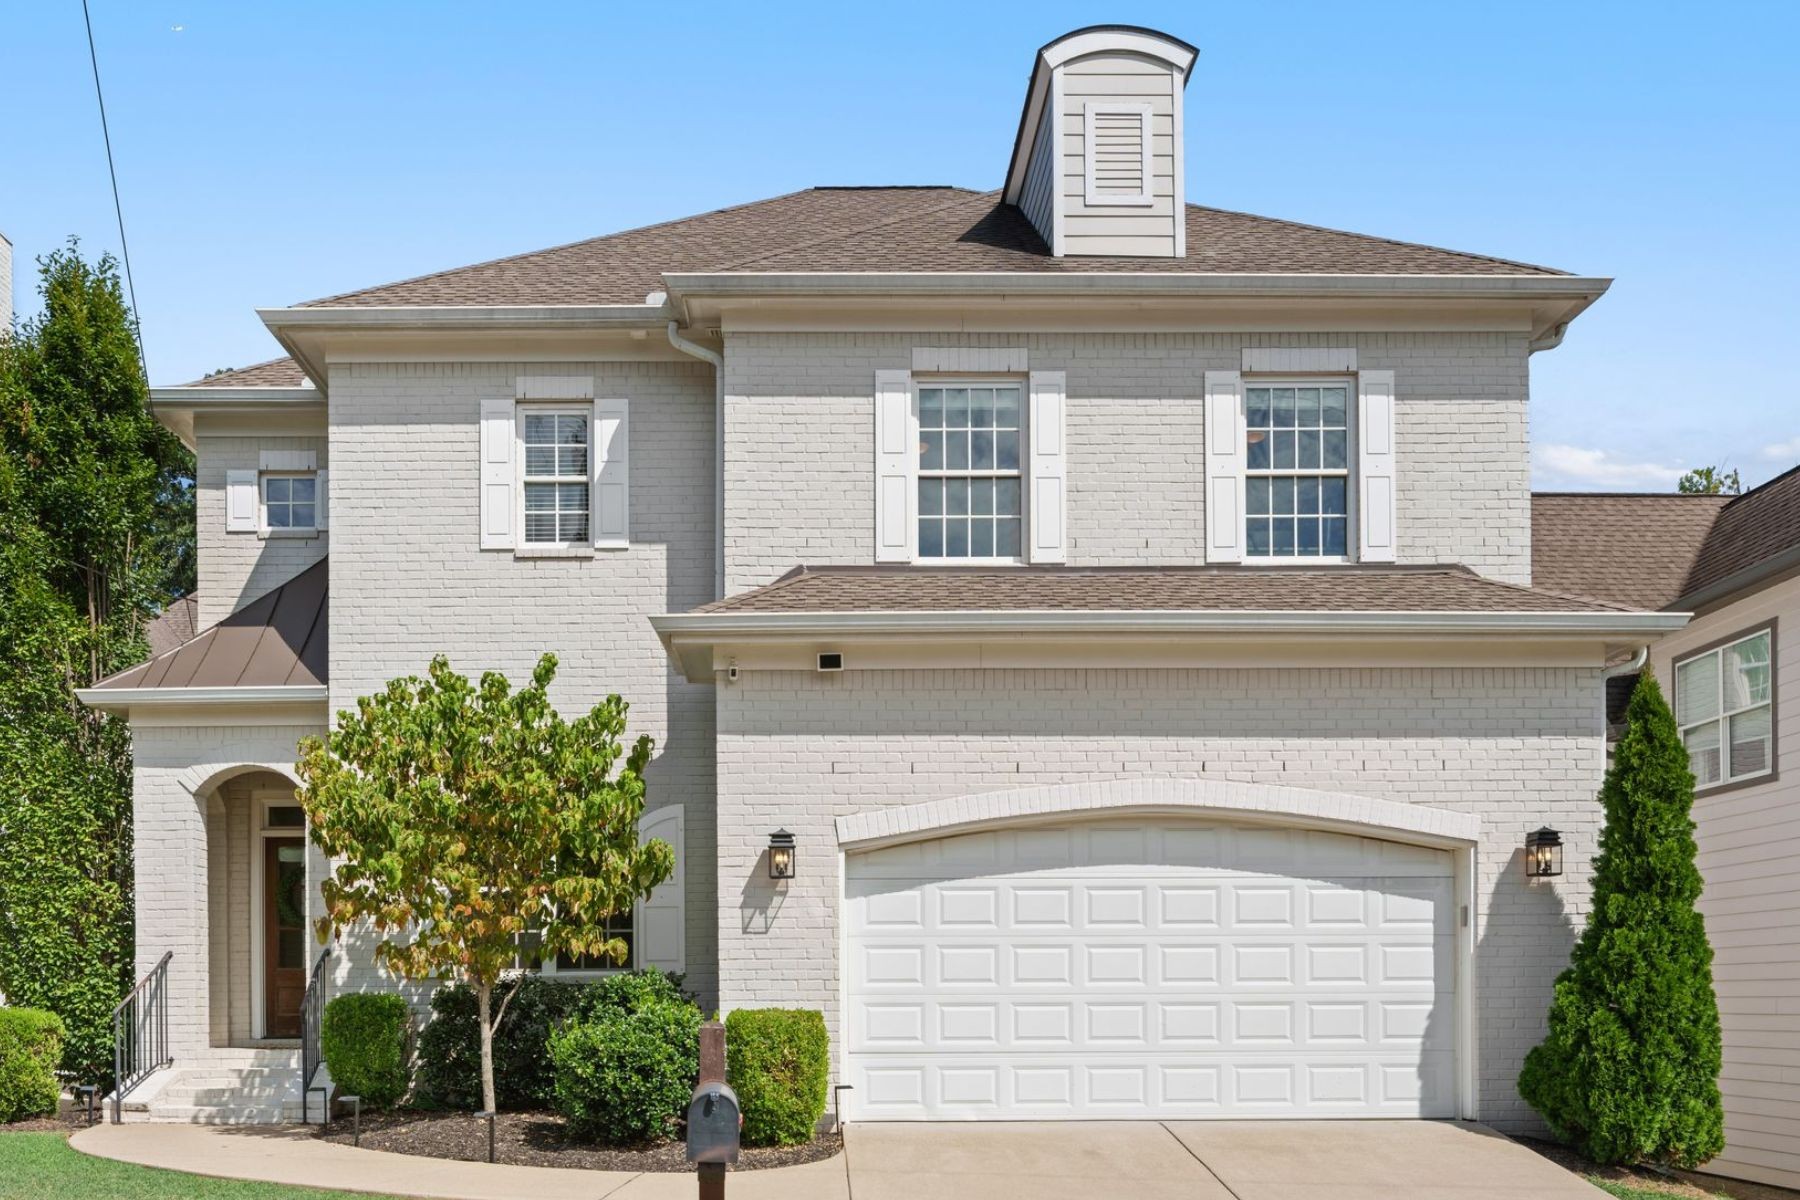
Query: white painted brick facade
x=800 y=427
x=236 y=568
x=1520 y=747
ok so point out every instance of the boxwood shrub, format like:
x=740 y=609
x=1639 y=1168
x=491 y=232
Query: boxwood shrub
x=31 y=1046
x=366 y=1039
x=524 y=1077
x=625 y=1075
x=777 y=1060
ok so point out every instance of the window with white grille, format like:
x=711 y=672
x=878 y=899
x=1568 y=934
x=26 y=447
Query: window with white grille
x=1297 y=470
x=557 y=475
x=971 y=491
x=1117 y=151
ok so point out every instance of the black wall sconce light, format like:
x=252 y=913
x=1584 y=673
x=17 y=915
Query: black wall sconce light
x=781 y=855
x=1543 y=853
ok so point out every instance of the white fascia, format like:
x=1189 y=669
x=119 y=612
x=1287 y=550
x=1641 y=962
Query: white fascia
x=1087 y=284
x=176 y=407
x=125 y=699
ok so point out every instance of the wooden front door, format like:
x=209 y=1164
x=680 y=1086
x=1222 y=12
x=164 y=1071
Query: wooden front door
x=284 y=935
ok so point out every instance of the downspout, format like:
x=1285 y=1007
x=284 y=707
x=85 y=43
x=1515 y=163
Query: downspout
x=1628 y=668
x=718 y=364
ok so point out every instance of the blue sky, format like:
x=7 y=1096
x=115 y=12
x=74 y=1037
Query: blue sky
x=271 y=153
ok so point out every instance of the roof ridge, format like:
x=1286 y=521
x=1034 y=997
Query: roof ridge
x=841 y=234
x=1375 y=237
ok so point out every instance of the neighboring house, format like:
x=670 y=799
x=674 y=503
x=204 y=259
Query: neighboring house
x=1126 y=605
x=1734 y=562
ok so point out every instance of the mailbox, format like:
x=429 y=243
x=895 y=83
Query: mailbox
x=714 y=1121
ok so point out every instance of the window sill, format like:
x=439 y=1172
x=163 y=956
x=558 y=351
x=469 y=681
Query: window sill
x=302 y=534
x=1704 y=790
x=1296 y=561
x=553 y=552
x=969 y=562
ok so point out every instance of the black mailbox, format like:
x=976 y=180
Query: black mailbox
x=713 y=1124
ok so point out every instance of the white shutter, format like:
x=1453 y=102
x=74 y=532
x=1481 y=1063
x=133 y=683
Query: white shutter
x=241 y=501
x=322 y=500
x=660 y=926
x=1224 y=454
x=1048 y=526
x=1375 y=465
x=612 y=474
x=896 y=467
x=497 y=479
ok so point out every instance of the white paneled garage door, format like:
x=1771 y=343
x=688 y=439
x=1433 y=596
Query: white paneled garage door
x=1149 y=968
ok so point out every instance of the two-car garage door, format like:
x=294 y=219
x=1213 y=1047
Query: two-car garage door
x=1149 y=968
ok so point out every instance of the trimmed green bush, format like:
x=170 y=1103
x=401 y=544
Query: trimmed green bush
x=366 y=1039
x=632 y=990
x=1629 y=1071
x=31 y=1046
x=778 y=1061
x=624 y=1077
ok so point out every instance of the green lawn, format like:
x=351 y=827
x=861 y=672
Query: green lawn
x=1626 y=1191
x=40 y=1166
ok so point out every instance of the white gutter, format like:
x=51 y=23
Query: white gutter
x=114 y=699
x=767 y=624
x=1134 y=283
x=1632 y=667
x=554 y=316
x=226 y=397
x=718 y=365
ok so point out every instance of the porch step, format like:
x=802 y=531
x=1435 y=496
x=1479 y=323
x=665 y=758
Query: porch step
x=247 y=1086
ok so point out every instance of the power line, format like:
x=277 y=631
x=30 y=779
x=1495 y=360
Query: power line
x=137 y=326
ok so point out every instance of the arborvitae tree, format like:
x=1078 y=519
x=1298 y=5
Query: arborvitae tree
x=1629 y=1071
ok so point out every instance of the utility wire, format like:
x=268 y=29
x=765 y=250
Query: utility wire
x=137 y=327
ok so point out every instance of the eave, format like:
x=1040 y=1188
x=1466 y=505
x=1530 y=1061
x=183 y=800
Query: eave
x=176 y=407
x=127 y=699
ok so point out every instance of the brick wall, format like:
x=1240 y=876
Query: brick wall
x=1521 y=747
x=799 y=449
x=236 y=568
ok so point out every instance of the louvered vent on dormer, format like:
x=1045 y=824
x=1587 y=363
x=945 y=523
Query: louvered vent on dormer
x=1117 y=153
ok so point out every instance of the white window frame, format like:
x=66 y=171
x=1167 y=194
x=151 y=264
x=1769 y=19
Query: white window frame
x=551 y=969
x=1348 y=472
x=523 y=547
x=1722 y=718
x=1022 y=472
x=262 y=505
x=1092 y=194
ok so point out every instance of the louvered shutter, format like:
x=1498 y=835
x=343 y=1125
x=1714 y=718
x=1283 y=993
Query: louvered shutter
x=660 y=925
x=1375 y=465
x=1224 y=455
x=1047 y=537
x=322 y=500
x=896 y=467
x=612 y=474
x=1117 y=150
x=241 y=505
x=497 y=477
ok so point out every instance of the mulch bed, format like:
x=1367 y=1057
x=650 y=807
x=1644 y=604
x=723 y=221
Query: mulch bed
x=68 y=1122
x=1682 y=1184
x=540 y=1139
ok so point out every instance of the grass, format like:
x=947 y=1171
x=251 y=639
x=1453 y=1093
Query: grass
x=41 y=1166
x=1629 y=1191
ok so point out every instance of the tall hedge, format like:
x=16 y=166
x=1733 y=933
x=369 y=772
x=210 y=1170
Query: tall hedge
x=31 y=1045
x=778 y=1062
x=366 y=1038
x=1629 y=1071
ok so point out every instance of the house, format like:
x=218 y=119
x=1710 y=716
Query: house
x=1126 y=606
x=1734 y=563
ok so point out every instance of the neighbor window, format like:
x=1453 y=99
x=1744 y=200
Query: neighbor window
x=1297 y=470
x=290 y=501
x=557 y=476
x=1725 y=705
x=620 y=925
x=971 y=494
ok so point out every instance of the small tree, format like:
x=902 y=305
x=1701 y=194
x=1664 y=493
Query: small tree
x=1710 y=481
x=461 y=817
x=1629 y=1071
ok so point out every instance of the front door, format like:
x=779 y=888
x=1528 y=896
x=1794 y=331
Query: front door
x=284 y=935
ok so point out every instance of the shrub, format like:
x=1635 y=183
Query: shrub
x=778 y=1062
x=365 y=1038
x=626 y=1076
x=1629 y=1070
x=31 y=1046
x=632 y=990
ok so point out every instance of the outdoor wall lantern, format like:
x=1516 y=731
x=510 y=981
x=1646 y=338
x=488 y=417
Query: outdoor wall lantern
x=781 y=855
x=1543 y=853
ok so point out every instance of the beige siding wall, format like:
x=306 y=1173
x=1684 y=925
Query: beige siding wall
x=1750 y=857
x=236 y=568
x=1521 y=747
x=799 y=453
x=1114 y=229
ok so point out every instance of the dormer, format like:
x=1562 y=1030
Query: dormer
x=1096 y=167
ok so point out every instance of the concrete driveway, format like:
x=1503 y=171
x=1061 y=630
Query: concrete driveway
x=1201 y=1160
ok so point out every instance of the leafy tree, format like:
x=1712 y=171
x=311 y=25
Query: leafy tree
x=461 y=817
x=90 y=546
x=1629 y=1071
x=1710 y=481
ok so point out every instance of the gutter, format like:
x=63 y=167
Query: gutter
x=1135 y=283
x=109 y=699
x=718 y=365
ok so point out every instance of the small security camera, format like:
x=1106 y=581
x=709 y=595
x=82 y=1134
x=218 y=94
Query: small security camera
x=731 y=671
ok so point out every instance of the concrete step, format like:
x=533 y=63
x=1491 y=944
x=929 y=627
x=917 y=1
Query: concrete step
x=236 y=1114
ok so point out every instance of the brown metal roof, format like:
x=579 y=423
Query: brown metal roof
x=1634 y=549
x=1145 y=589
x=904 y=229
x=277 y=640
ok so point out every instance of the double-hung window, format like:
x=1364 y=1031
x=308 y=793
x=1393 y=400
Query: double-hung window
x=971 y=490
x=290 y=501
x=557 y=475
x=1297 y=470
x=1725 y=705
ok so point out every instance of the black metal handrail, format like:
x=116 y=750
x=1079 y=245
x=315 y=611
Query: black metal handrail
x=140 y=1025
x=312 y=1011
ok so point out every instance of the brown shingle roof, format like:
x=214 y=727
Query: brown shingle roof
x=1752 y=529
x=907 y=229
x=173 y=626
x=1631 y=549
x=277 y=372
x=1144 y=589
x=276 y=640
